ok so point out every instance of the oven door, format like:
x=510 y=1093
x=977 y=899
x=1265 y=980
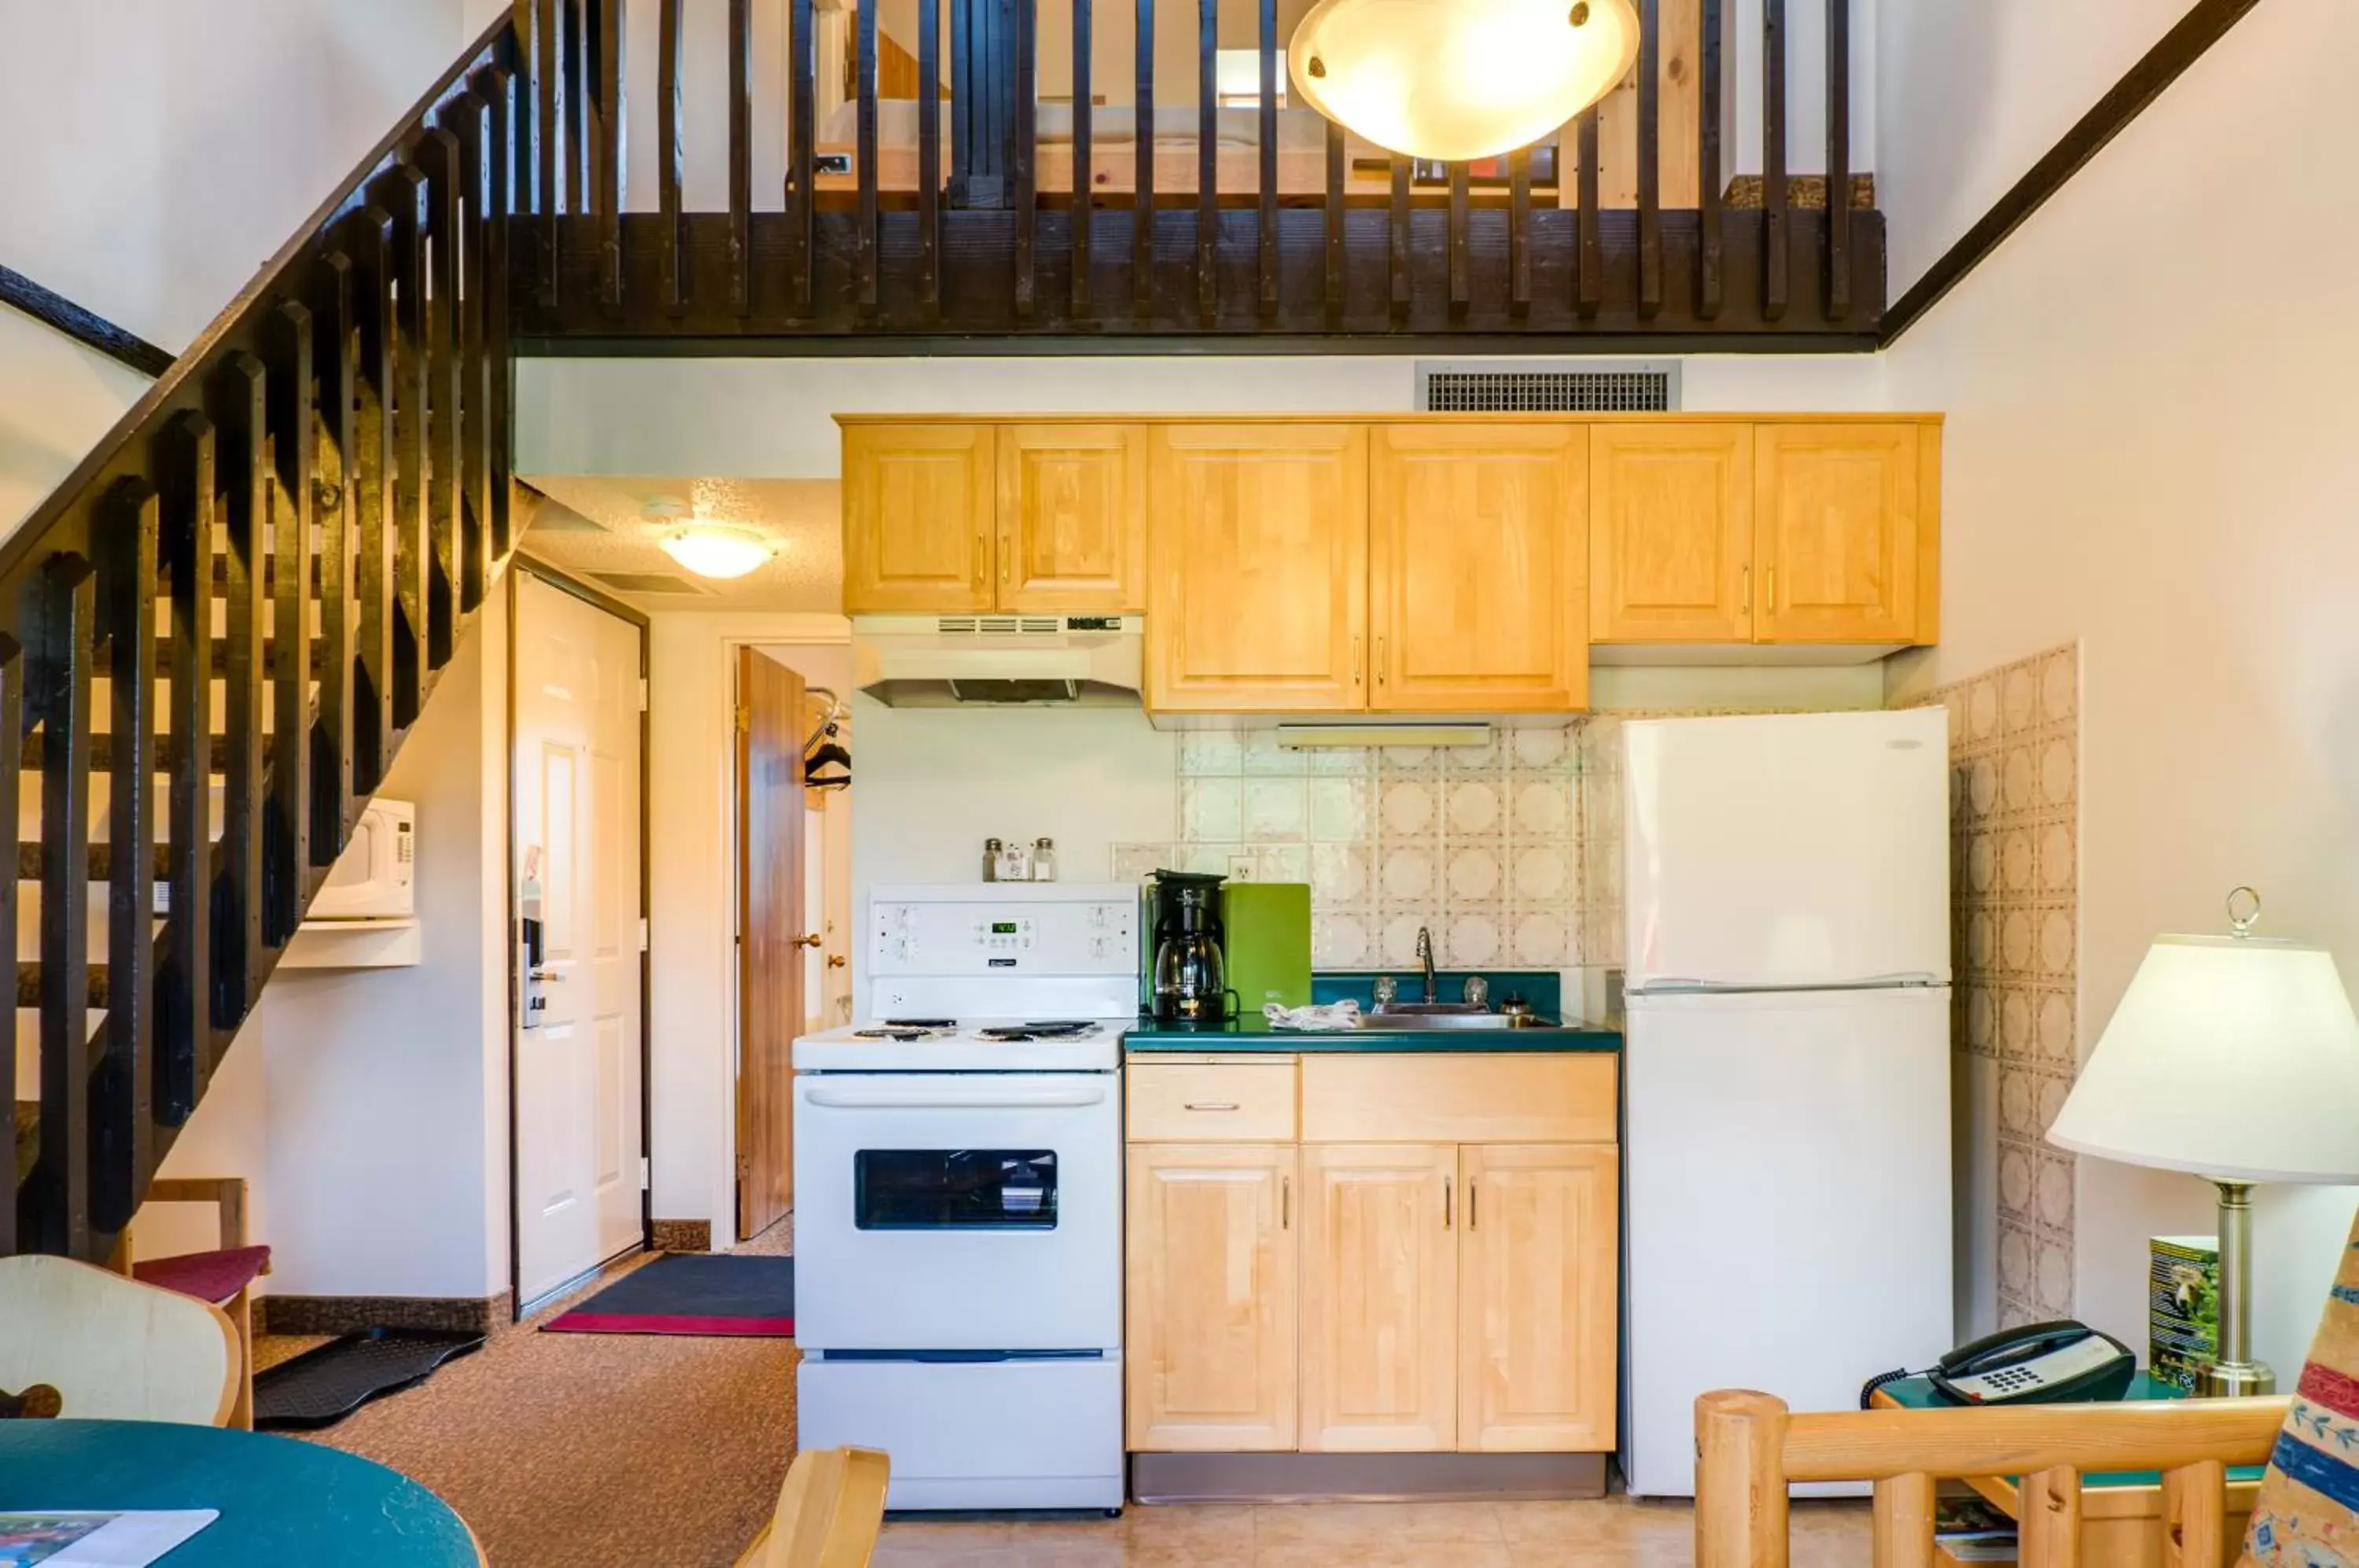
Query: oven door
x=958 y=1212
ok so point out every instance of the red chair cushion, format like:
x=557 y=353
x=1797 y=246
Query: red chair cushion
x=212 y=1277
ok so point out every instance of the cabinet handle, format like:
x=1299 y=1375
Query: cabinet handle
x=1286 y=1203
x=1471 y=1199
x=1355 y=662
x=1004 y=564
x=1445 y=1203
x=1746 y=595
x=1380 y=661
x=982 y=554
x=1772 y=606
x=1211 y=1105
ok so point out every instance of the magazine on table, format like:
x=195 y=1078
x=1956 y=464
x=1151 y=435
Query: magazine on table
x=67 y=1537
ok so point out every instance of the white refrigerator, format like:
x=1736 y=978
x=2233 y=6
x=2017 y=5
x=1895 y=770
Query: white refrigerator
x=1787 y=1064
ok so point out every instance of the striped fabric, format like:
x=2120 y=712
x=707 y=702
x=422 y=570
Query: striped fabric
x=2307 y=1515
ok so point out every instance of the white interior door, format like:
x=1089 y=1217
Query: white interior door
x=578 y=1091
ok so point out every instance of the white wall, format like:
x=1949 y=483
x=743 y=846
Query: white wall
x=56 y=398
x=2171 y=484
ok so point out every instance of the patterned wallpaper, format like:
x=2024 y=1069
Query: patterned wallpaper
x=2014 y=813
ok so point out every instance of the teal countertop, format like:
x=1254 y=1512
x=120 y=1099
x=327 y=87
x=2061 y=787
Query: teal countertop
x=1254 y=1033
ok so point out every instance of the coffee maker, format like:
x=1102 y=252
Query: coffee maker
x=1187 y=968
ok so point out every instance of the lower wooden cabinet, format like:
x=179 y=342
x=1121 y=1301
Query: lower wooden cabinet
x=1538 y=1261
x=1211 y=1316
x=1379 y=1298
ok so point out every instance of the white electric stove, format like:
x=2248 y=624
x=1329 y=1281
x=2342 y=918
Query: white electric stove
x=958 y=1198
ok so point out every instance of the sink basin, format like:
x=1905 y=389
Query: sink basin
x=1419 y=1022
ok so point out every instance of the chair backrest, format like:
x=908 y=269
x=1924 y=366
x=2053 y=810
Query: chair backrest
x=829 y=1513
x=114 y=1349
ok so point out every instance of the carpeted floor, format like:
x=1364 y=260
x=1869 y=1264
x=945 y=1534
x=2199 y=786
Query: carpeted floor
x=563 y=1450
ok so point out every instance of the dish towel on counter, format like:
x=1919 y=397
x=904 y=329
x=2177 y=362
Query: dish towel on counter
x=1342 y=1015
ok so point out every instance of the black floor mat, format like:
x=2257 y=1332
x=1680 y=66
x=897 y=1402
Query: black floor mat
x=324 y=1385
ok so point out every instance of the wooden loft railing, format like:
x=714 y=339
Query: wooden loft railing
x=977 y=216
x=245 y=594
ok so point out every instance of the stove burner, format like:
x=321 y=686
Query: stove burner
x=1063 y=1027
x=894 y=1031
x=922 y=1023
x=1055 y=1029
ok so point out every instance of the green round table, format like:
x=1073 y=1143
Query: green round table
x=280 y=1500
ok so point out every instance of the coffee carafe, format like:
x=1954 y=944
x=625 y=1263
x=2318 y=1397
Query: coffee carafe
x=1191 y=980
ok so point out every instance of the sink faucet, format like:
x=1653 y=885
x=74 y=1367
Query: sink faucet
x=1425 y=956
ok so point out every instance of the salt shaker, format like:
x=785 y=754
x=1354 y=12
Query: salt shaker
x=1044 y=860
x=1014 y=864
x=991 y=858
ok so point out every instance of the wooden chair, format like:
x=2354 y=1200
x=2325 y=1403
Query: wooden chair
x=112 y=1348
x=224 y=1276
x=1749 y=1447
x=829 y=1512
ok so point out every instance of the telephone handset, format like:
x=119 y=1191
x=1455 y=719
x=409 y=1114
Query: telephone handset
x=2043 y=1363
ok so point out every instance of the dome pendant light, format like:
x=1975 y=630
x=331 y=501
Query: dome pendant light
x=713 y=549
x=1460 y=80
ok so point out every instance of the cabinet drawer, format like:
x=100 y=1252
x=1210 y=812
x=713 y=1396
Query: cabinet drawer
x=1459 y=1097
x=1211 y=1102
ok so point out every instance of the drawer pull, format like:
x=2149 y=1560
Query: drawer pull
x=1472 y=1192
x=1211 y=1105
x=1286 y=1203
x=1445 y=1203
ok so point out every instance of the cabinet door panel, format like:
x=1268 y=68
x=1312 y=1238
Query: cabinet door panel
x=1379 y=1298
x=1478 y=567
x=1837 y=510
x=1670 y=521
x=1073 y=517
x=917 y=518
x=1211 y=1273
x=1538 y=1266
x=1257 y=587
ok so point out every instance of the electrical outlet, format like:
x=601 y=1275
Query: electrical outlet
x=1241 y=868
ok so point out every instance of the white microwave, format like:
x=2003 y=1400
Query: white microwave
x=372 y=880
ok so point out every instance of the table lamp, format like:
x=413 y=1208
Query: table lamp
x=2236 y=1058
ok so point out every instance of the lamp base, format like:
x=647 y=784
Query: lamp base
x=2234 y=1380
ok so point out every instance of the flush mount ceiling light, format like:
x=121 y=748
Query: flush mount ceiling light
x=1458 y=79
x=716 y=549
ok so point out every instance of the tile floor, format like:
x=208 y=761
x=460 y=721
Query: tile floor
x=1608 y=1534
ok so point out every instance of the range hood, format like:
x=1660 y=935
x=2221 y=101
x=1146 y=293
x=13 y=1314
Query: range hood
x=982 y=661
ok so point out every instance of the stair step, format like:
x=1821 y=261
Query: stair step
x=102 y=752
x=102 y=861
x=104 y=663
x=28 y=984
x=269 y=575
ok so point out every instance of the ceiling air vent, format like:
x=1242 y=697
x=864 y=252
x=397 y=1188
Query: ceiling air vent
x=649 y=583
x=1547 y=386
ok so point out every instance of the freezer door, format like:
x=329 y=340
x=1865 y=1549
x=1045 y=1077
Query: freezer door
x=1788 y=1205
x=1803 y=849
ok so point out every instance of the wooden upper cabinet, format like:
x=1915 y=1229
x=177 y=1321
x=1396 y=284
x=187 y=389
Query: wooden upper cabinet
x=1838 y=509
x=1538 y=1262
x=1379 y=1298
x=918 y=513
x=1210 y=1356
x=1073 y=517
x=1670 y=533
x=1479 y=568
x=1256 y=595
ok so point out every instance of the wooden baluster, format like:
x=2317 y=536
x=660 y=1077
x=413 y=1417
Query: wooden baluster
x=2049 y=1516
x=1269 y=149
x=1651 y=181
x=610 y=152
x=335 y=347
x=404 y=192
x=549 y=129
x=672 y=257
x=1398 y=238
x=1024 y=185
x=469 y=118
x=1838 y=159
x=1902 y=1522
x=530 y=193
x=370 y=245
x=741 y=155
x=1462 y=258
x=1740 y=1517
x=294 y=451
x=11 y=785
x=507 y=167
x=1335 y=171
x=802 y=122
x=59 y=610
x=1085 y=208
x=865 y=242
x=1708 y=192
x=123 y=1088
x=445 y=461
x=1774 y=237
x=1519 y=233
x=2195 y=1515
x=1589 y=251
x=1142 y=192
x=1208 y=161
x=245 y=458
x=191 y=532
x=930 y=156
x=575 y=45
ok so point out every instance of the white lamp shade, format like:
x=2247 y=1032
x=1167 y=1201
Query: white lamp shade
x=713 y=549
x=2236 y=1058
x=1458 y=79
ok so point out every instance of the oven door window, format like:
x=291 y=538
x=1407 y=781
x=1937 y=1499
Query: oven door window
x=955 y=1188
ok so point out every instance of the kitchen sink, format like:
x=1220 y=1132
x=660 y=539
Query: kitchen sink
x=1421 y=1021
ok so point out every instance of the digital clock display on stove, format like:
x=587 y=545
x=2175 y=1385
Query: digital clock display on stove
x=1002 y=928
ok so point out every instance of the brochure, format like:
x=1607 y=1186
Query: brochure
x=70 y=1538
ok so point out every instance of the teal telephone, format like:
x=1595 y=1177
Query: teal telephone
x=2061 y=1362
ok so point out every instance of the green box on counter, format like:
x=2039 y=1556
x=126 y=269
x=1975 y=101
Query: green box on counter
x=1267 y=928
x=2182 y=1307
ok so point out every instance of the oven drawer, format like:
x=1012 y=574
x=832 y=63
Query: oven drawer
x=1172 y=1102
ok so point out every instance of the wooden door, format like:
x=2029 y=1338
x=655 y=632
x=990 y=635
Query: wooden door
x=917 y=518
x=1256 y=595
x=1836 y=508
x=1538 y=1266
x=1073 y=517
x=1670 y=533
x=1379 y=1298
x=1210 y=1267
x=1478 y=567
x=770 y=933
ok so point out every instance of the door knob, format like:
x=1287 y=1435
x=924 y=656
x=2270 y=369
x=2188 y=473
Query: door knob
x=812 y=940
x=837 y=961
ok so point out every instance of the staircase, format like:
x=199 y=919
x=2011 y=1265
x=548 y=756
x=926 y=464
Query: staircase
x=216 y=634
